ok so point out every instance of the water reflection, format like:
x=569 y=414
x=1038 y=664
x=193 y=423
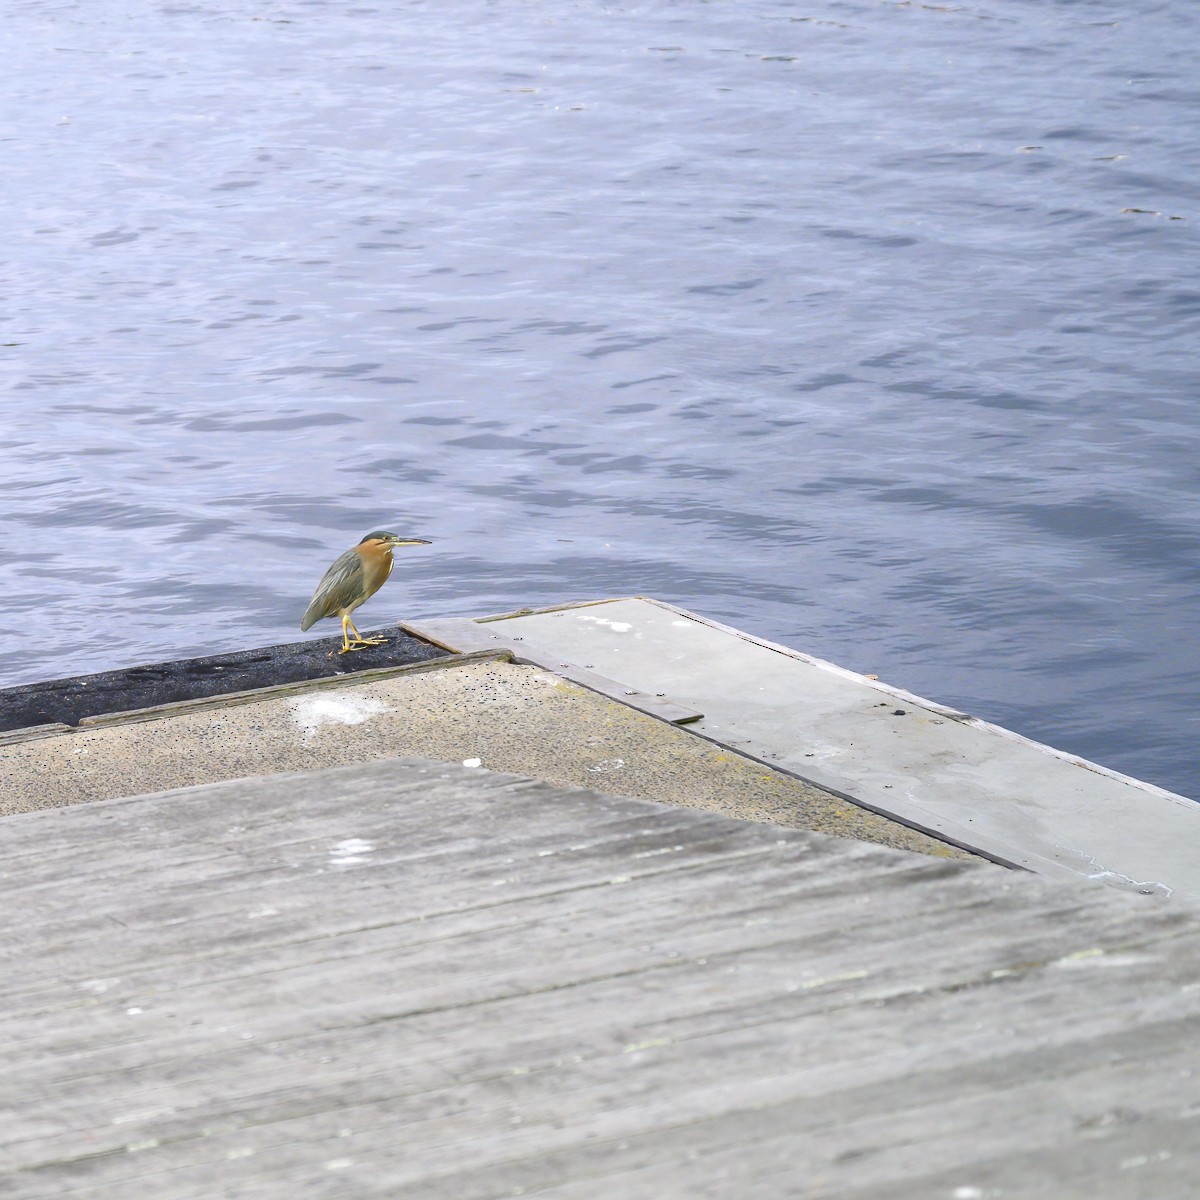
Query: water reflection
x=854 y=328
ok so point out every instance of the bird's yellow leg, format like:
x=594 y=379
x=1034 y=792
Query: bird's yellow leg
x=359 y=640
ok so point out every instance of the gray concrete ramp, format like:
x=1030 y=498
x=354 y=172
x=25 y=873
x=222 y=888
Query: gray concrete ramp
x=408 y=979
x=917 y=761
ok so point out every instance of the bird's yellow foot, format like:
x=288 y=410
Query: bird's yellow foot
x=362 y=641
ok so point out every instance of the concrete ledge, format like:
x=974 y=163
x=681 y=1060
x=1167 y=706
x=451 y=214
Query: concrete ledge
x=68 y=701
x=479 y=708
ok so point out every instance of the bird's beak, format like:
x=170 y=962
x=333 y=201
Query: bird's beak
x=410 y=542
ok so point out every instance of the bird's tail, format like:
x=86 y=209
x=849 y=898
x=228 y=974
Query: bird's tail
x=311 y=616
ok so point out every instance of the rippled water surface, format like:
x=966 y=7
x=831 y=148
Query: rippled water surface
x=867 y=327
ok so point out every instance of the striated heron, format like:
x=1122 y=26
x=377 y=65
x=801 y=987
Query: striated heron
x=355 y=577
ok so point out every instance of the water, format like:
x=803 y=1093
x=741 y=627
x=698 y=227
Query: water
x=866 y=327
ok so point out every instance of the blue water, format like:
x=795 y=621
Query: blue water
x=869 y=328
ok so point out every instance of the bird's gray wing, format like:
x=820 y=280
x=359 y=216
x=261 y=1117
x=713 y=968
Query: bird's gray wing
x=340 y=587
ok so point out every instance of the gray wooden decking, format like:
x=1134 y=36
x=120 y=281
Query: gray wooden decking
x=409 y=979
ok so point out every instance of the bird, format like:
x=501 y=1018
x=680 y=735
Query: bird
x=355 y=577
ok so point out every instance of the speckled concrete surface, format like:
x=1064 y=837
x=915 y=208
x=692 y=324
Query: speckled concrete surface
x=506 y=717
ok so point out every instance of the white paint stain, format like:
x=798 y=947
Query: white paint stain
x=472 y=762
x=141 y=1116
x=352 y=850
x=648 y=1044
x=97 y=986
x=1144 y=1160
x=809 y=984
x=334 y=708
x=615 y=626
x=607 y=764
x=1102 y=874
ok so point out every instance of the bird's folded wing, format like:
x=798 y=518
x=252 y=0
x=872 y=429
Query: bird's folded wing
x=340 y=588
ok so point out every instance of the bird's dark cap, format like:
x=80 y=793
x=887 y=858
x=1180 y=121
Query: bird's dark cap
x=383 y=535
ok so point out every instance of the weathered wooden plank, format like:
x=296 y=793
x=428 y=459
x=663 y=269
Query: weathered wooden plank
x=410 y=979
x=31 y=733
x=298 y=687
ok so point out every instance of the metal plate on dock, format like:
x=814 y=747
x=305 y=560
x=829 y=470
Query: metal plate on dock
x=929 y=766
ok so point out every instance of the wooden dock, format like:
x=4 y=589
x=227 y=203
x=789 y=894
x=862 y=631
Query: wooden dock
x=411 y=979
